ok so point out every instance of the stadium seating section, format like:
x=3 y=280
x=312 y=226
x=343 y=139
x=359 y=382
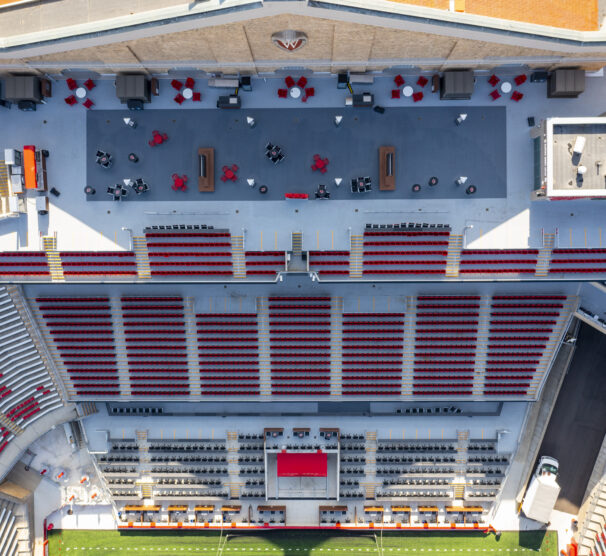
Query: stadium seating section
x=154 y=333
x=228 y=354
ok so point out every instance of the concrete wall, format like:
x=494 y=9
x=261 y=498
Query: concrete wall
x=332 y=45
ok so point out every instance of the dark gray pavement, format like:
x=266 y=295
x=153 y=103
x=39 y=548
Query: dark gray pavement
x=427 y=141
x=578 y=423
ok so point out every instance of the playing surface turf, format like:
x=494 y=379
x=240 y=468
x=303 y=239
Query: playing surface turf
x=297 y=542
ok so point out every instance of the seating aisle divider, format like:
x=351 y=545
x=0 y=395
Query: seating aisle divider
x=336 y=346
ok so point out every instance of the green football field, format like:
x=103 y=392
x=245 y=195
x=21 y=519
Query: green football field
x=277 y=543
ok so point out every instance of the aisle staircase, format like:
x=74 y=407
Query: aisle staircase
x=54 y=260
x=4 y=192
x=371 y=455
x=232 y=445
x=297 y=243
x=356 y=256
x=143 y=446
x=461 y=457
x=459 y=491
x=370 y=491
x=234 y=490
x=193 y=361
x=544 y=258
x=453 y=258
x=141 y=257
x=87 y=408
x=336 y=346
x=264 y=347
x=238 y=258
x=147 y=489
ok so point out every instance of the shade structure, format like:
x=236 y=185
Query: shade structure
x=302 y=465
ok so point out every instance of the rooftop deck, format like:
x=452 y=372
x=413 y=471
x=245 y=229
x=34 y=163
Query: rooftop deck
x=497 y=222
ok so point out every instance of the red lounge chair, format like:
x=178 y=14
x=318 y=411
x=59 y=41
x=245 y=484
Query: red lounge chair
x=417 y=96
x=516 y=96
x=398 y=80
x=88 y=103
x=290 y=82
x=493 y=80
x=71 y=100
x=197 y=97
x=89 y=84
x=519 y=79
x=395 y=93
x=234 y=168
x=282 y=93
x=151 y=143
x=495 y=95
x=309 y=92
x=71 y=84
x=302 y=82
x=422 y=81
x=177 y=85
x=179 y=99
x=223 y=177
x=190 y=82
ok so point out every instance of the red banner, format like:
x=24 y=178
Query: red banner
x=302 y=465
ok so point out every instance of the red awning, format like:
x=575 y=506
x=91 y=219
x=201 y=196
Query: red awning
x=302 y=465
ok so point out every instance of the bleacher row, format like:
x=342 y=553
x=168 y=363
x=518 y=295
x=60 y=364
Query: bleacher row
x=372 y=353
x=82 y=331
x=329 y=263
x=9 y=534
x=98 y=263
x=447 y=358
x=228 y=354
x=445 y=344
x=592 y=532
x=189 y=253
x=27 y=392
x=24 y=264
x=264 y=263
x=154 y=331
x=392 y=251
x=300 y=345
x=520 y=327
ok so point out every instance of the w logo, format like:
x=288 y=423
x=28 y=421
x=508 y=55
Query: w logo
x=289 y=40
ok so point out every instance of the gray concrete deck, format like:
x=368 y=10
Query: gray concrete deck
x=508 y=222
x=427 y=142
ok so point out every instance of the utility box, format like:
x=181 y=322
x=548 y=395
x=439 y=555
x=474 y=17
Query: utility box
x=566 y=83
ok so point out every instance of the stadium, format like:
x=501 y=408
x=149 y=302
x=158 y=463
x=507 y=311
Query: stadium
x=300 y=277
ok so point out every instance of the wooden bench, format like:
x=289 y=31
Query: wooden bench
x=387 y=168
x=206 y=180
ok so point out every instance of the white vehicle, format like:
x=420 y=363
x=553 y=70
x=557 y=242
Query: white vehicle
x=543 y=491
